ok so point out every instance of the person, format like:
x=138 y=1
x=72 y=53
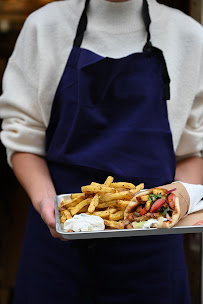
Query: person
x=89 y=91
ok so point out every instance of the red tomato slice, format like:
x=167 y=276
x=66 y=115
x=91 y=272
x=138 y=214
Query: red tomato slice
x=157 y=204
x=143 y=211
x=171 y=200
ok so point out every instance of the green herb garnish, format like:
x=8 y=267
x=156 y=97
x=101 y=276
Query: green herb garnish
x=165 y=211
x=153 y=197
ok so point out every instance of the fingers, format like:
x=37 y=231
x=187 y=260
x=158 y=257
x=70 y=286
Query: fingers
x=48 y=216
x=47 y=212
x=57 y=235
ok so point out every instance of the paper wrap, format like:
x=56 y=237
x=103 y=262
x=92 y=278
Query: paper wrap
x=186 y=205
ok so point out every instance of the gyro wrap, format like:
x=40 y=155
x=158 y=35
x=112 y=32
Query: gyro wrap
x=180 y=208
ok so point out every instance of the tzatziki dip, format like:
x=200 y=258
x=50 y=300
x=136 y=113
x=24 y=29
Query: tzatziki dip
x=84 y=222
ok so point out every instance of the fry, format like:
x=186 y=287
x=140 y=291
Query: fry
x=94 y=203
x=108 y=181
x=97 y=188
x=103 y=214
x=65 y=215
x=137 y=189
x=121 y=189
x=111 y=210
x=117 y=196
x=75 y=195
x=116 y=216
x=140 y=187
x=79 y=206
x=83 y=210
x=123 y=185
x=106 y=204
x=122 y=204
x=76 y=200
x=113 y=224
x=63 y=219
x=64 y=204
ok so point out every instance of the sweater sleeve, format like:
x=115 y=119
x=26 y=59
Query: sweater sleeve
x=23 y=128
x=191 y=141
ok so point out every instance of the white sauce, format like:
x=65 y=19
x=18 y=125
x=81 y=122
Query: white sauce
x=84 y=222
x=148 y=224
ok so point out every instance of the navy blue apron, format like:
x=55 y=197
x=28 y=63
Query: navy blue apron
x=109 y=117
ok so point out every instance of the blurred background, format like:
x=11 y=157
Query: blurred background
x=14 y=201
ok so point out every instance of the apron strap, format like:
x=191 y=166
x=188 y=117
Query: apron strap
x=165 y=76
x=82 y=25
x=147 y=49
x=147 y=21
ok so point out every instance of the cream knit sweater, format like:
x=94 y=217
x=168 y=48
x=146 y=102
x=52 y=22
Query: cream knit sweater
x=114 y=30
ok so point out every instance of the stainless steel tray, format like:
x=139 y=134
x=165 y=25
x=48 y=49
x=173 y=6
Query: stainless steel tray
x=109 y=233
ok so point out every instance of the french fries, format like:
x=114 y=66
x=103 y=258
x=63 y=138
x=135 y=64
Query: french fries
x=123 y=185
x=94 y=203
x=80 y=206
x=114 y=224
x=107 y=200
x=116 y=216
x=122 y=204
x=65 y=215
x=109 y=181
x=96 y=188
x=103 y=214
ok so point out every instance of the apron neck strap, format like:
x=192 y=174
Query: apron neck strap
x=82 y=25
x=147 y=21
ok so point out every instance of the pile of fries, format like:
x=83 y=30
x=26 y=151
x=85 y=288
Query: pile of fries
x=108 y=200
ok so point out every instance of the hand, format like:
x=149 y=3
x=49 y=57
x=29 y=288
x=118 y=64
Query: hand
x=33 y=174
x=47 y=212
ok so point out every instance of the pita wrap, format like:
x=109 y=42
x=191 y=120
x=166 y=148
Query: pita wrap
x=165 y=219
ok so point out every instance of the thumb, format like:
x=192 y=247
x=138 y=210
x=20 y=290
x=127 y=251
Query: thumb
x=48 y=214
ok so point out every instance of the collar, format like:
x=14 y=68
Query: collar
x=120 y=17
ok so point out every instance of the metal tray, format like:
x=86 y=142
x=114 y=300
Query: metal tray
x=109 y=233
